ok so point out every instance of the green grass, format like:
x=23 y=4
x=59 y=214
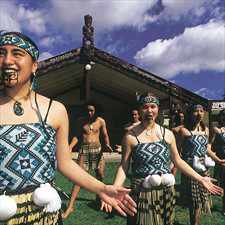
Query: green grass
x=86 y=212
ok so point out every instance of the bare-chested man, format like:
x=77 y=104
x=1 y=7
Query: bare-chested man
x=89 y=129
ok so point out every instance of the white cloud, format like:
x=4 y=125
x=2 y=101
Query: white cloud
x=32 y=20
x=197 y=49
x=107 y=15
x=209 y=94
x=15 y=17
x=45 y=55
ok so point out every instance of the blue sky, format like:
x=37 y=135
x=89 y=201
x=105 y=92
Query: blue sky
x=179 y=40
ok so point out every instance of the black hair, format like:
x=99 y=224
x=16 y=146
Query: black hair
x=97 y=109
x=189 y=121
x=176 y=120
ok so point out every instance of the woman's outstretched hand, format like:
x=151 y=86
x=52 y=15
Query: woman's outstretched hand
x=119 y=199
x=212 y=188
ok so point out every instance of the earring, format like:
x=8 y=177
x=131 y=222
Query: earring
x=34 y=84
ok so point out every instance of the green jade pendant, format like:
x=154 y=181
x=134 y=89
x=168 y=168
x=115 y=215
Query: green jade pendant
x=17 y=108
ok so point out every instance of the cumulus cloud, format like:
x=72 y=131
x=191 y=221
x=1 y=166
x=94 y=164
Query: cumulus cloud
x=196 y=49
x=109 y=15
x=16 y=17
x=106 y=14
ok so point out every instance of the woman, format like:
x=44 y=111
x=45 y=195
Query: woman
x=152 y=148
x=33 y=135
x=195 y=151
x=218 y=145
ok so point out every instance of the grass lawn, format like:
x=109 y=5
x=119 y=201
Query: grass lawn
x=86 y=212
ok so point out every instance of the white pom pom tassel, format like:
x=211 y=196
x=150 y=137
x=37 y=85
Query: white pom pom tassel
x=209 y=162
x=146 y=182
x=46 y=196
x=198 y=165
x=8 y=207
x=168 y=179
x=155 y=180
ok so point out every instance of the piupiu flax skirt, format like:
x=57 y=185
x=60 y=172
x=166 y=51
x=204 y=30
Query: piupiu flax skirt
x=30 y=214
x=154 y=206
x=195 y=195
x=92 y=156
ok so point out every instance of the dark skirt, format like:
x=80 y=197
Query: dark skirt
x=154 y=206
x=30 y=214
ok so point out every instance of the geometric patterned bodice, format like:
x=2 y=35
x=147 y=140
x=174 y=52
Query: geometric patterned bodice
x=27 y=155
x=151 y=158
x=194 y=145
x=219 y=143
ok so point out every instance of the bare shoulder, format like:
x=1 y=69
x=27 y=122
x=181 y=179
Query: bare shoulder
x=101 y=120
x=129 y=138
x=169 y=136
x=59 y=106
x=215 y=129
x=168 y=132
x=56 y=112
x=177 y=129
x=184 y=131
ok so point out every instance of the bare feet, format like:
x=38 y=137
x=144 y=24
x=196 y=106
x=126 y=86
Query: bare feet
x=67 y=212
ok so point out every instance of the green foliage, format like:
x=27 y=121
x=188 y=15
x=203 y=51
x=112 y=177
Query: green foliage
x=87 y=213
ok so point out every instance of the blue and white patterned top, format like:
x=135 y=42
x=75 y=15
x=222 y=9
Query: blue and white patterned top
x=27 y=155
x=151 y=158
x=194 y=145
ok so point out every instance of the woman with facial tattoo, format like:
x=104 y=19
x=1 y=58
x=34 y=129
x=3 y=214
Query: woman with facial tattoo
x=197 y=153
x=33 y=136
x=152 y=147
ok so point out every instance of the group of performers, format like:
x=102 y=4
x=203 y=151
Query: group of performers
x=34 y=143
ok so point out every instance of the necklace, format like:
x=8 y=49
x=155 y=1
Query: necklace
x=90 y=126
x=17 y=106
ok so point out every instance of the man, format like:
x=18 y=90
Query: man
x=135 y=120
x=89 y=129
